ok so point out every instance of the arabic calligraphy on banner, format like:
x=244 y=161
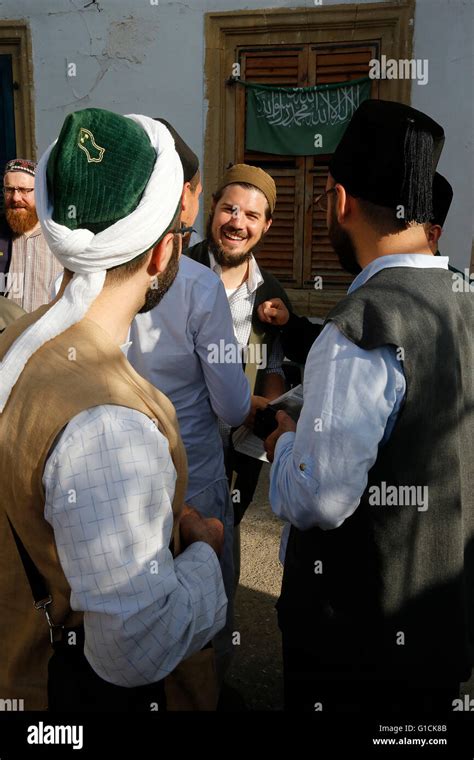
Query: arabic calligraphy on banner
x=301 y=121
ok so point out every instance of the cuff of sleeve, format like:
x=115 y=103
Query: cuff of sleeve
x=199 y=551
x=293 y=322
x=284 y=442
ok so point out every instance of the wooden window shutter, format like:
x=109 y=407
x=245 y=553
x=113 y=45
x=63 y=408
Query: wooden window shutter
x=282 y=248
x=328 y=65
x=297 y=248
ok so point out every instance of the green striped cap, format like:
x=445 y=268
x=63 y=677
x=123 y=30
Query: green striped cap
x=98 y=169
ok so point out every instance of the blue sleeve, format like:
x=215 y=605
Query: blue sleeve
x=229 y=389
x=351 y=401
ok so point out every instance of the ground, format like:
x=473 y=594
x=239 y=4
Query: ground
x=257 y=670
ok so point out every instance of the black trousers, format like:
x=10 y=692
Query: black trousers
x=73 y=686
x=248 y=471
x=310 y=686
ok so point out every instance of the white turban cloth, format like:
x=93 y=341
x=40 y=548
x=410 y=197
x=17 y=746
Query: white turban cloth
x=89 y=255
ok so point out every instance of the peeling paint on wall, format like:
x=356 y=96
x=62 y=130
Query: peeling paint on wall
x=127 y=39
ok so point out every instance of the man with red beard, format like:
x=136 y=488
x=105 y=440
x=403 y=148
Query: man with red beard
x=27 y=266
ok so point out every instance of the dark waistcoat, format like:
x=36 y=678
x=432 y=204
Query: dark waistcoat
x=396 y=591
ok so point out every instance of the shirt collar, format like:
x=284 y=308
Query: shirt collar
x=125 y=347
x=34 y=233
x=254 y=279
x=417 y=260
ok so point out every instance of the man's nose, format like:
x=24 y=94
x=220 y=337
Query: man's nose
x=16 y=193
x=236 y=215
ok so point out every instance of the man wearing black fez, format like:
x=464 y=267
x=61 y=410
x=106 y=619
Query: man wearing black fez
x=299 y=333
x=376 y=480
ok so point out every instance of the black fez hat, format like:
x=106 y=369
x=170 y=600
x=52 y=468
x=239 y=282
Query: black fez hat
x=442 y=197
x=388 y=155
x=188 y=158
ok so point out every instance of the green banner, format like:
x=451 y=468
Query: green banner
x=301 y=121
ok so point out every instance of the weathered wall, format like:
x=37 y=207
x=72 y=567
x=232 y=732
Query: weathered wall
x=134 y=56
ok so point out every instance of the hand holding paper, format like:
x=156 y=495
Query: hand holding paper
x=285 y=425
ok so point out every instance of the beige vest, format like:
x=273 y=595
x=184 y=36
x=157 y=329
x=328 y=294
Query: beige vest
x=79 y=369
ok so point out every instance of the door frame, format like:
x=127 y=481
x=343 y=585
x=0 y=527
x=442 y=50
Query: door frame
x=15 y=40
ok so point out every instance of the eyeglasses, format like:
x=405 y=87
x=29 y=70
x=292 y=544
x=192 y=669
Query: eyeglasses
x=183 y=230
x=24 y=191
x=321 y=201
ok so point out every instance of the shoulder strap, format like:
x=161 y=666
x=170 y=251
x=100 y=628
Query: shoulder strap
x=35 y=579
x=42 y=597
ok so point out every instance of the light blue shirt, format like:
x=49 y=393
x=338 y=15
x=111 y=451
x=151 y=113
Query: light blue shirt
x=351 y=401
x=172 y=348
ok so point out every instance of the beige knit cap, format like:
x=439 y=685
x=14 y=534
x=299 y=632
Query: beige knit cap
x=253 y=176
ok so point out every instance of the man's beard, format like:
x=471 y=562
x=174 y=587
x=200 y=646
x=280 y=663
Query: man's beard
x=343 y=245
x=21 y=220
x=164 y=281
x=221 y=256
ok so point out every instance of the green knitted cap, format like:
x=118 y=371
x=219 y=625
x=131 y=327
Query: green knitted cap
x=98 y=169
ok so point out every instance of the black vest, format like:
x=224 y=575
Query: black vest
x=5 y=251
x=396 y=595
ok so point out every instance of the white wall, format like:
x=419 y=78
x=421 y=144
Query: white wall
x=444 y=35
x=137 y=57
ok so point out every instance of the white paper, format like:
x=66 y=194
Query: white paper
x=245 y=442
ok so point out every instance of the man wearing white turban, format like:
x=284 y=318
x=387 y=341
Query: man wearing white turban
x=96 y=500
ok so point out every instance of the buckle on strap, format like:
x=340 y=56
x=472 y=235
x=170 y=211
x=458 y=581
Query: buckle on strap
x=53 y=628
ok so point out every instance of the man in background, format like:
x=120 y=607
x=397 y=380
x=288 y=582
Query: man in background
x=28 y=267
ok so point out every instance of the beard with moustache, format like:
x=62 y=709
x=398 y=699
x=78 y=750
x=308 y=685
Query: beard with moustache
x=342 y=244
x=164 y=281
x=20 y=219
x=223 y=258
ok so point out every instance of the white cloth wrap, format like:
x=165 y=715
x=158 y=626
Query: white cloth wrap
x=89 y=255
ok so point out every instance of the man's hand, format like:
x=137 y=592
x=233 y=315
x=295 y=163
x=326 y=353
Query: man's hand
x=285 y=425
x=256 y=402
x=274 y=312
x=194 y=527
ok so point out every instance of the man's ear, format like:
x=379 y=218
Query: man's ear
x=160 y=255
x=434 y=233
x=185 y=195
x=343 y=205
x=267 y=226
